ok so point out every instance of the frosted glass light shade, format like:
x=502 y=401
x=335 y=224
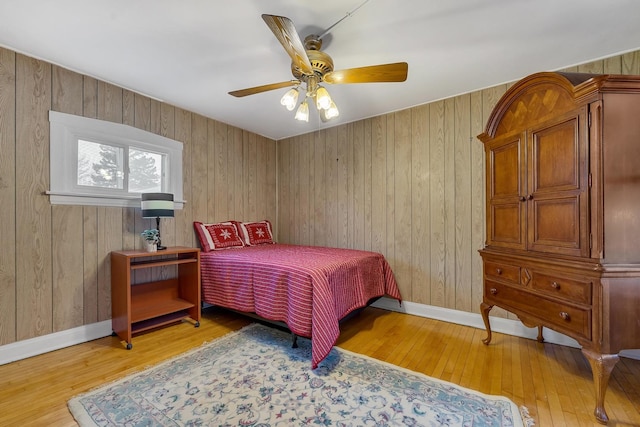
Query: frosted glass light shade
x=290 y=99
x=323 y=100
x=303 y=112
x=332 y=111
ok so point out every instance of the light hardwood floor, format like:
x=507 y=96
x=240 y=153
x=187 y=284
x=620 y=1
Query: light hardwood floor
x=553 y=382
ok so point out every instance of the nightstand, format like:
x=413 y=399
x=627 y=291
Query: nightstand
x=140 y=307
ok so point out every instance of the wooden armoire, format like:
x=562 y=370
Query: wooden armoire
x=563 y=212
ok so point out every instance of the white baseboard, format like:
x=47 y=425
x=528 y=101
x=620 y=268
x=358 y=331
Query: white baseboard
x=498 y=324
x=44 y=344
x=57 y=340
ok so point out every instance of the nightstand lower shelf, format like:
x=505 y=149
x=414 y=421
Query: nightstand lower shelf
x=156 y=322
x=149 y=300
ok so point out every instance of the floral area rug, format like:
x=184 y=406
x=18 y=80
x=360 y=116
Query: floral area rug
x=254 y=378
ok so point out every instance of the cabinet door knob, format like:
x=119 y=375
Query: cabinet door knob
x=523 y=199
x=564 y=315
x=555 y=285
x=530 y=197
x=498 y=271
x=493 y=291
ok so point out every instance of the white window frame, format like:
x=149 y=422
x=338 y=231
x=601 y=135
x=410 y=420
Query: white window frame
x=67 y=129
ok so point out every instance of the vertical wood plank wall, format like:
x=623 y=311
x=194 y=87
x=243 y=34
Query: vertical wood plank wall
x=409 y=184
x=54 y=260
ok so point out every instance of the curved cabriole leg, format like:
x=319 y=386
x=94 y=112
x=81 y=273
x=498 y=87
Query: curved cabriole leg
x=485 y=309
x=601 y=367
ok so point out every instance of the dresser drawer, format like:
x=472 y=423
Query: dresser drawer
x=578 y=291
x=574 y=321
x=504 y=272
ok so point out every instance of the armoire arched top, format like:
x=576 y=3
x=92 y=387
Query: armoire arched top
x=548 y=94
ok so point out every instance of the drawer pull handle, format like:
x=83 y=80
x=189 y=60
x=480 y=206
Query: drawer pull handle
x=555 y=285
x=498 y=271
x=565 y=315
x=493 y=291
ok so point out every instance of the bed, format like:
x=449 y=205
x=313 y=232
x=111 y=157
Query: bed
x=308 y=288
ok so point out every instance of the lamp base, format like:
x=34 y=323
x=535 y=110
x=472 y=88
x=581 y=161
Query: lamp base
x=159 y=245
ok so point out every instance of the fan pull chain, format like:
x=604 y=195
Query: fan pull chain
x=348 y=15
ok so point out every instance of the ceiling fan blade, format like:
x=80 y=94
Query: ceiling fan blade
x=286 y=33
x=264 y=88
x=395 y=72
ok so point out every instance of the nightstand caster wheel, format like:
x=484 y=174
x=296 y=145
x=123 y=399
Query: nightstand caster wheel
x=197 y=324
x=129 y=346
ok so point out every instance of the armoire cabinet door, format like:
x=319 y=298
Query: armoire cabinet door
x=557 y=194
x=538 y=188
x=506 y=215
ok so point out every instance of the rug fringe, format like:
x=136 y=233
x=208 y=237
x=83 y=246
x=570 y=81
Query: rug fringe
x=526 y=418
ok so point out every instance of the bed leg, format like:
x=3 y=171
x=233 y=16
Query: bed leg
x=294 y=344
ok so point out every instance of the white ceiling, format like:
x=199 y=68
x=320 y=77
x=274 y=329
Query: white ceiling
x=191 y=53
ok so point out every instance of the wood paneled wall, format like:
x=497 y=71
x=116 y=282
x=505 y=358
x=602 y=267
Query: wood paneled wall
x=54 y=261
x=409 y=185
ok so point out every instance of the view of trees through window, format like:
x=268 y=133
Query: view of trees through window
x=102 y=165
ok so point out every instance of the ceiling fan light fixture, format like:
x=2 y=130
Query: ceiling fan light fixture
x=310 y=66
x=290 y=99
x=332 y=111
x=323 y=100
x=303 y=112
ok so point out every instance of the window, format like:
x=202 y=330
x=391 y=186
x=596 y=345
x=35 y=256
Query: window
x=102 y=165
x=94 y=162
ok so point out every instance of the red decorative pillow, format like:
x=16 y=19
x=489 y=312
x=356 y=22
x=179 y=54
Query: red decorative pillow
x=257 y=233
x=221 y=235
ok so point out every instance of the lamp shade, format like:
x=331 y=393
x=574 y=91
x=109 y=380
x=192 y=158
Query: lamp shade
x=156 y=205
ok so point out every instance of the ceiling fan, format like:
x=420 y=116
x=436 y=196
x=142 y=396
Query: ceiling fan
x=311 y=67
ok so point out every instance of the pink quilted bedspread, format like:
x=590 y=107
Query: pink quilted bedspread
x=309 y=288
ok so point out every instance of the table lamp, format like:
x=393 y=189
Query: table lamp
x=156 y=205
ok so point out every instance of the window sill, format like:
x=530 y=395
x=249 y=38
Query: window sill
x=58 y=198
